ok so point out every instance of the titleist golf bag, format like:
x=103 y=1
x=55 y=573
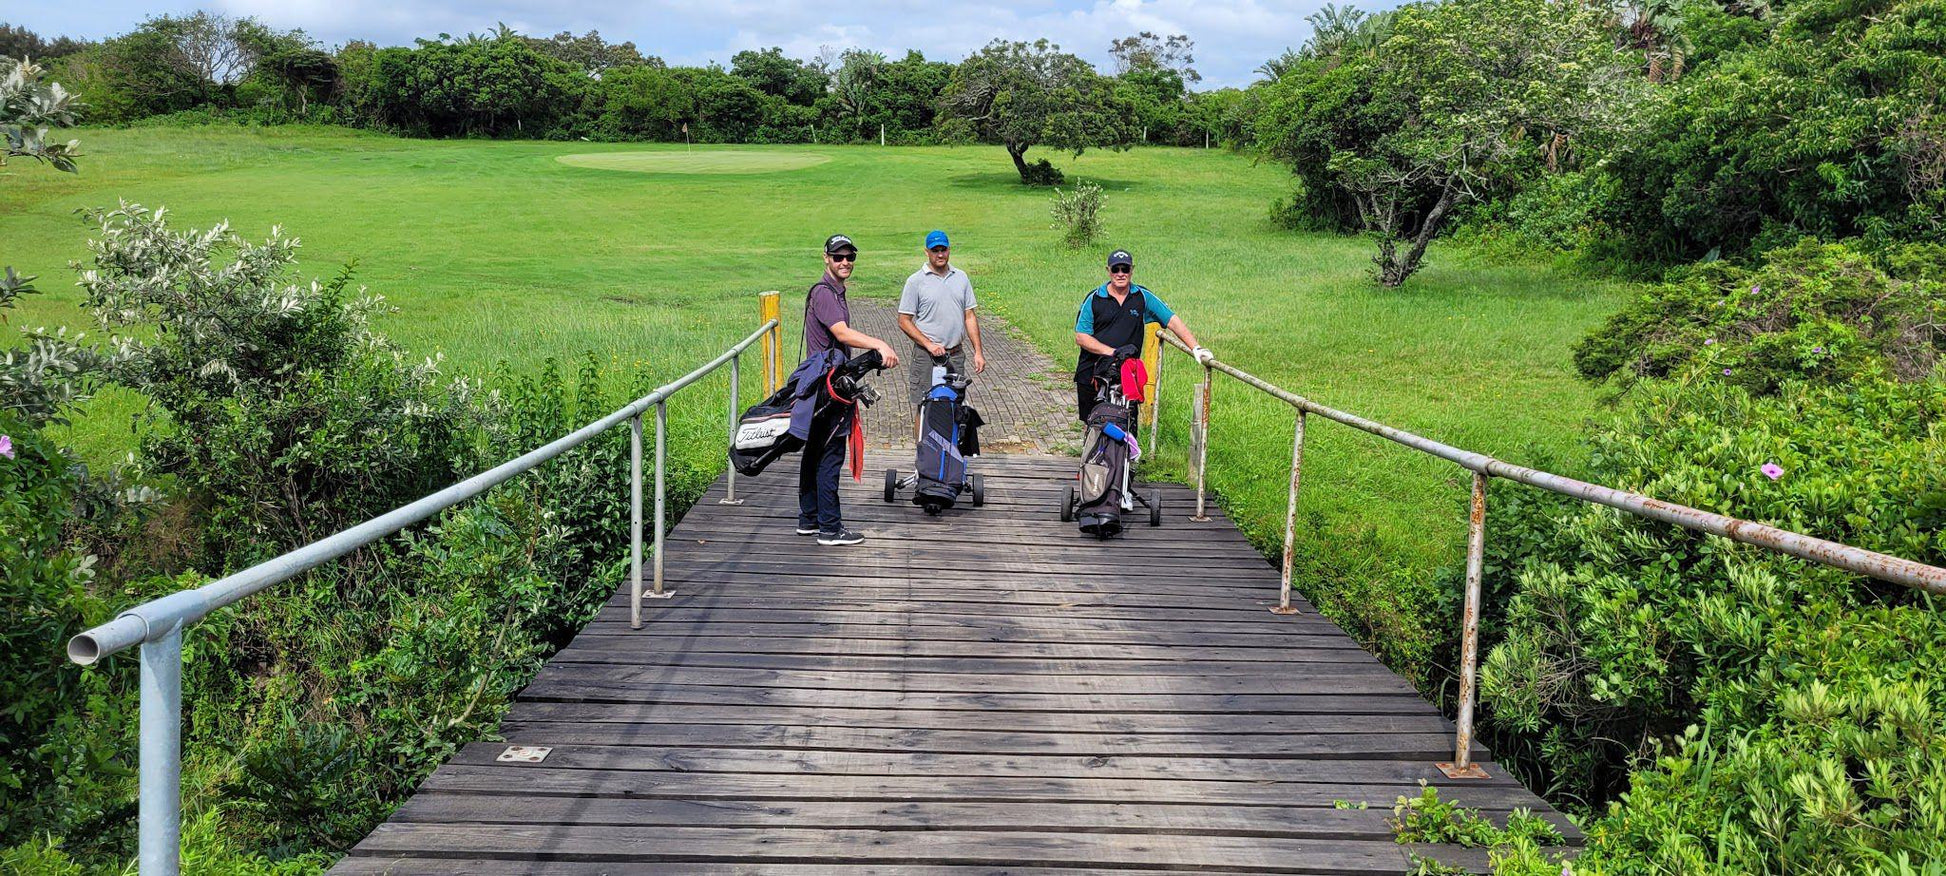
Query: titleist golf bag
x=765 y=432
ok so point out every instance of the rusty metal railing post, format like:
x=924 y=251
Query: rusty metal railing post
x=1463 y=766
x=1290 y=519
x=1199 y=440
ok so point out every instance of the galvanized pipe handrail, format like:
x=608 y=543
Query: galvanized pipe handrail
x=158 y=625
x=152 y=619
x=1885 y=567
x=1869 y=563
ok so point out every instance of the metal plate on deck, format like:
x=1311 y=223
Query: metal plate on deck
x=524 y=754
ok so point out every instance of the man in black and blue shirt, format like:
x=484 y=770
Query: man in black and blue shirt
x=1110 y=326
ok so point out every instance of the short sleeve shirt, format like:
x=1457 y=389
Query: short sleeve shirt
x=938 y=305
x=824 y=307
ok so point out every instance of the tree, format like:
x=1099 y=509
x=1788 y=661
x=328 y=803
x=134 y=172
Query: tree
x=1455 y=104
x=1147 y=51
x=775 y=74
x=19 y=42
x=591 y=54
x=853 y=79
x=1023 y=95
x=31 y=106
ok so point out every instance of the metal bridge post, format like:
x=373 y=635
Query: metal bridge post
x=661 y=466
x=736 y=363
x=1290 y=518
x=635 y=522
x=1463 y=766
x=160 y=815
x=1199 y=439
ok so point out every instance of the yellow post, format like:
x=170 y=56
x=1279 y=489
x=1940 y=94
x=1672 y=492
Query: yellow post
x=773 y=343
x=1151 y=360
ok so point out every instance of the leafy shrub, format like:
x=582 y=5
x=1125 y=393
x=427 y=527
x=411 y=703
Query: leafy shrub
x=268 y=391
x=1814 y=311
x=1077 y=214
x=1822 y=119
x=1042 y=173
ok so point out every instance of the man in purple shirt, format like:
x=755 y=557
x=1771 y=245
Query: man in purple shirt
x=827 y=318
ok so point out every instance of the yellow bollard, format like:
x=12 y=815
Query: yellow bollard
x=1151 y=360
x=773 y=342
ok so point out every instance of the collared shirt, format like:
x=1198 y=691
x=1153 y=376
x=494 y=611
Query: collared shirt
x=938 y=303
x=1116 y=324
x=824 y=307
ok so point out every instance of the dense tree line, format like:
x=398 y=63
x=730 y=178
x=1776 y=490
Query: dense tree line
x=507 y=84
x=1645 y=133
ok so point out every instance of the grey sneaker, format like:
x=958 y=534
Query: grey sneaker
x=842 y=536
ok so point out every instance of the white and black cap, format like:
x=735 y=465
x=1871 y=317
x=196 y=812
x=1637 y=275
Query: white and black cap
x=838 y=242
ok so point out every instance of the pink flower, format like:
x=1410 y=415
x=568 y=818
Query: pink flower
x=1772 y=470
x=1756 y=288
x=1726 y=372
x=1817 y=349
x=7 y=446
x=1709 y=342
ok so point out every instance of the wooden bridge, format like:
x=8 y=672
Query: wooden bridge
x=983 y=692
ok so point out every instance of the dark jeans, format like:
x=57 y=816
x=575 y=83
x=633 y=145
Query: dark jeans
x=817 y=480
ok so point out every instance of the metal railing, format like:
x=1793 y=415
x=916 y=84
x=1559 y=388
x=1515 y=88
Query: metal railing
x=157 y=625
x=1884 y=567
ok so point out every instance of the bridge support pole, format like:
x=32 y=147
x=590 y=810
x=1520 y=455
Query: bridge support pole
x=159 y=828
x=1463 y=766
x=635 y=522
x=1290 y=519
x=736 y=379
x=661 y=501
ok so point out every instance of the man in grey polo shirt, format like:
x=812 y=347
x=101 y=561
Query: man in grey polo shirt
x=936 y=312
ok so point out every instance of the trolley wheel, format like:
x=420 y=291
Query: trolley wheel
x=979 y=490
x=1155 y=507
x=891 y=484
x=1067 y=506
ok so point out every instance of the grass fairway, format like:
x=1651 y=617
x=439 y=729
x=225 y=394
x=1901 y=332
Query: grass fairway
x=507 y=250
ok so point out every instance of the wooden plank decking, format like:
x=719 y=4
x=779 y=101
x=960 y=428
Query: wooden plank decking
x=984 y=692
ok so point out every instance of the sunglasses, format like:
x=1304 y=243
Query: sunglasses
x=842 y=256
x=1121 y=269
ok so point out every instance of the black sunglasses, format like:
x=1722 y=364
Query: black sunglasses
x=842 y=256
x=1121 y=269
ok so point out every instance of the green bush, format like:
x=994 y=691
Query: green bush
x=1042 y=173
x=1819 y=312
x=1077 y=214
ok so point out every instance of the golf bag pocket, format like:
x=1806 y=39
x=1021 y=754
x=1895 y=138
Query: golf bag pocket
x=1095 y=482
x=763 y=434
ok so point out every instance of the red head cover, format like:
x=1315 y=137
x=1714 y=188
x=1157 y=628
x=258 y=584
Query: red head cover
x=1135 y=376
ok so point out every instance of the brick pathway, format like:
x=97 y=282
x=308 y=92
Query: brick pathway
x=1026 y=399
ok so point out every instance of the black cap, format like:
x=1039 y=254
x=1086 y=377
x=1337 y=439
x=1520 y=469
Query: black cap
x=1120 y=257
x=837 y=242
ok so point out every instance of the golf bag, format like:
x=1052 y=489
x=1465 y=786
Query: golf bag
x=1105 y=458
x=941 y=465
x=765 y=432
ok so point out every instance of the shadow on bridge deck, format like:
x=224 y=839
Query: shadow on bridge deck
x=984 y=692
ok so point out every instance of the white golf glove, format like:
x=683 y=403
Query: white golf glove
x=1203 y=355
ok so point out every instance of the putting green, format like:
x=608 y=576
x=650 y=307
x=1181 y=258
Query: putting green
x=697 y=161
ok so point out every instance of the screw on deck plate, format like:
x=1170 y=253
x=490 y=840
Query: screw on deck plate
x=1470 y=771
x=524 y=754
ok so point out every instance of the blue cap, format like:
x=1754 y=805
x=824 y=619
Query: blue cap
x=936 y=238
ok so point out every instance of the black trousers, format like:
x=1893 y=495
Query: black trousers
x=817 y=480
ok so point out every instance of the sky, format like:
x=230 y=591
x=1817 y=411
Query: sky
x=1232 y=36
